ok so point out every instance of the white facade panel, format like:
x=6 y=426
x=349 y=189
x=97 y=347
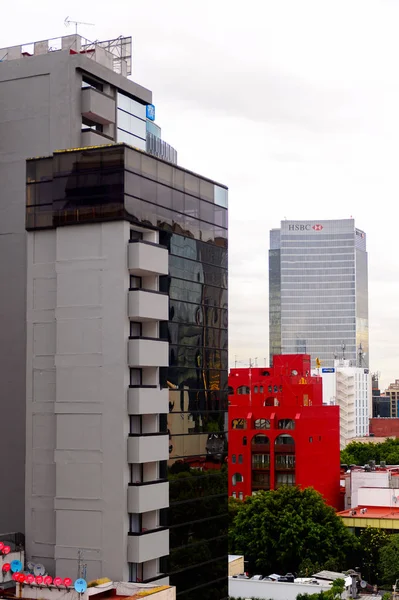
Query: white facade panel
x=148 y=306
x=143 y=498
x=147 y=401
x=148 y=353
x=149 y=448
x=141 y=548
x=147 y=259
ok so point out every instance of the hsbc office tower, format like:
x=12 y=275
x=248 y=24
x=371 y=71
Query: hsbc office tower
x=318 y=291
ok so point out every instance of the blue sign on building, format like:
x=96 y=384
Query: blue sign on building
x=328 y=370
x=150 y=112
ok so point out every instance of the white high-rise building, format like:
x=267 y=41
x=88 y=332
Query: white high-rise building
x=350 y=388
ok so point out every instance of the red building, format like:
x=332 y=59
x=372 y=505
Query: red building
x=279 y=431
x=384 y=427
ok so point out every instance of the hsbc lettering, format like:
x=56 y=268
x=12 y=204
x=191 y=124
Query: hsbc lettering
x=298 y=227
x=307 y=227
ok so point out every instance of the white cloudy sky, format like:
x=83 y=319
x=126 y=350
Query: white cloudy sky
x=294 y=104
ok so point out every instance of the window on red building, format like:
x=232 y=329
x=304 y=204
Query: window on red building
x=285 y=479
x=262 y=424
x=284 y=439
x=261 y=461
x=286 y=424
x=260 y=481
x=285 y=461
x=239 y=424
x=260 y=439
x=243 y=389
x=237 y=478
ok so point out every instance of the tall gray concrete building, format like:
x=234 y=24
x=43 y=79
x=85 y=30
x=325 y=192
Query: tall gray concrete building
x=318 y=291
x=114 y=326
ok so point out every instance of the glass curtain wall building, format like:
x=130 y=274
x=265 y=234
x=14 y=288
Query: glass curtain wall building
x=189 y=215
x=318 y=291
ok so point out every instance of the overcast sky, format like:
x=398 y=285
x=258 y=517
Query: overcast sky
x=294 y=104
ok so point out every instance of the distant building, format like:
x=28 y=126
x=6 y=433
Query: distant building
x=381 y=404
x=372 y=497
x=279 y=431
x=318 y=290
x=393 y=393
x=236 y=564
x=384 y=427
x=350 y=388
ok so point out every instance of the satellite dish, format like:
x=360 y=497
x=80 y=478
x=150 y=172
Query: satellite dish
x=363 y=584
x=16 y=566
x=80 y=586
x=39 y=569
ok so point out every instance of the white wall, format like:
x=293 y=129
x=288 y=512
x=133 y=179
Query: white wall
x=362 y=479
x=247 y=588
x=77 y=380
x=368 y=496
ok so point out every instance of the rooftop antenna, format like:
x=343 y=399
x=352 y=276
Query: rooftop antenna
x=69 y=21
x=361 y=354
x=250 y=381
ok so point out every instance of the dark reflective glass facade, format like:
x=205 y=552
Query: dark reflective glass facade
x=190 y=213
x=318 y=294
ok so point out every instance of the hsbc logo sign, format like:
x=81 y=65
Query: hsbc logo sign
x=307 y=227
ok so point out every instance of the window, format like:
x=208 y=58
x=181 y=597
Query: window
x=261 y=461
x=285 y=440
x=269 y=389
x=136 y=572
x=237 y=478
x=260 y=439
x=240 y=459
x=135 y=377
x=310 y=440
x=270 y=401
x=135 y=235
x=239 y=424
x=285 y=479
x=244 y=440
x=285 y=461
x=234 y=494
x=135 y=282
x=135 y=329
x=241 y=496
x=88 y=124
x=261 y=480
x=286 y=424
x=90 y=82
x=230 y=391
x=262 y=424
x=243 y=389
x=233 y=459
x=261 y=389
x=255 y=389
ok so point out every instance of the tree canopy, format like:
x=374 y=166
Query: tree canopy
x=290 y=530
x=389 y=560
x=360 y=453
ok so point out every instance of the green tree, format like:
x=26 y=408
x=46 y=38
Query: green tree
x=337 y=588
x=360 y=453
x=371 y=541
x=389 y=560
x=279 y=530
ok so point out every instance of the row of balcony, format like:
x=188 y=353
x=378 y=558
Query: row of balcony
x=147 y=260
